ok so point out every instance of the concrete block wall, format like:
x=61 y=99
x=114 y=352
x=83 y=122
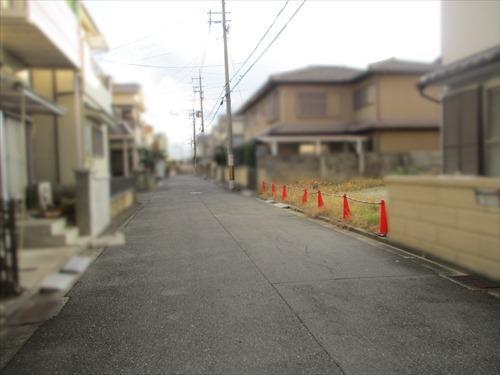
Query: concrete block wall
x=121 y=201
x=344 y=166
x=453 y=218
x=93 y=198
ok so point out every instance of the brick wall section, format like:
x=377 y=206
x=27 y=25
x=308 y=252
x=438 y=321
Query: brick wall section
x=445 y=217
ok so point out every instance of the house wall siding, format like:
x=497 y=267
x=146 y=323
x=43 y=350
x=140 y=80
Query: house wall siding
x=370 y=111
x=256 y=119
x=338 y=103
x=407 y=140
x=399 y=99
x=468 y=28
x=44 y=131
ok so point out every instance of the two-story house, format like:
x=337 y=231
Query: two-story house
x=329 y=109
x=30 y=38
x=127 y=139
x=51 y=45
x=77 y=141
x=456 y=217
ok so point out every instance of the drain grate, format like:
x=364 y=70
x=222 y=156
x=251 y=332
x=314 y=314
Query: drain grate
x=475 y=282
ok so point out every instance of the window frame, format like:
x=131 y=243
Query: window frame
x=299 y=109
x=487 y=141
x=363 y=101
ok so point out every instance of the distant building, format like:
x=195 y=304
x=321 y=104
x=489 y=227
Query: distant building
x=328 y=109
x=148 y=136
x=127 y=138
x=207 y=143
x=160 y=143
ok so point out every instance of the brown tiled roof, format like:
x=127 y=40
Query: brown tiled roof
x=346 y=128
x=336 y=74
x=393 y=125
x=394 y=65
x=126 y=88
x=479 y=60
x=308 y=129
x=318 y=74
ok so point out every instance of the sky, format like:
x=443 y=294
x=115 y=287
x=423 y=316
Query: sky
x=163 y=45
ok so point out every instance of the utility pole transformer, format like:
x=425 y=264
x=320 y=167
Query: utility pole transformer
x=201 y=105
x=199 y=89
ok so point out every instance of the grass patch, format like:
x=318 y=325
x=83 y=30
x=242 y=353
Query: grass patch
x=363 y=215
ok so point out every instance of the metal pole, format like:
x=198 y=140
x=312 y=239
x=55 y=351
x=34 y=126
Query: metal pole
x=230 y=157
x=194 y=142
x=201 y=104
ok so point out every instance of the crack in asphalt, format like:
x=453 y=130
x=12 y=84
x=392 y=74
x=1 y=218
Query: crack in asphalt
x=299 y=319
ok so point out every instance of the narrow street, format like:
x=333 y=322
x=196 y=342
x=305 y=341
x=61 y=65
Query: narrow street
x=212 y=282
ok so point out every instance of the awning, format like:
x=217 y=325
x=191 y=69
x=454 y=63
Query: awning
x=312 y=138
x=11 y=93
x=100 y=116
x=488 y=59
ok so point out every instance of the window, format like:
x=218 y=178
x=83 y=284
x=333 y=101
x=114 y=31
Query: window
x=362 y=97
x=93 y=140
x=311 y=104
x=273 y=106
x=127 y=113
x=97 y=142
x=491 y=141
x=461 y=132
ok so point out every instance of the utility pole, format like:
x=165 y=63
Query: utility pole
x=193 y=116
x=230 y=156
x=199 y=90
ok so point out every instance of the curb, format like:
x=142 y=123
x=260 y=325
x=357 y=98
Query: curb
x=444 y=269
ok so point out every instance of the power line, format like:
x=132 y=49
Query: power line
x=261 y=39
x=159 y=66
x=269 y=45
x=258 y=58
x=153 y=34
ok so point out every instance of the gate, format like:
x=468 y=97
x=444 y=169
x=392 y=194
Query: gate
x=9 y=275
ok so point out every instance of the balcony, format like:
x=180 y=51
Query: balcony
x=44 y=34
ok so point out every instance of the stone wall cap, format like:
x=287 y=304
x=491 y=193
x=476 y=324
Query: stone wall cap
x=447 y=180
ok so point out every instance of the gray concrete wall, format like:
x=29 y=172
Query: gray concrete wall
x=343 y=166
x=93 y=203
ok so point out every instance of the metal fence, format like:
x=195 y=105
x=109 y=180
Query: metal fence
x=9 y=273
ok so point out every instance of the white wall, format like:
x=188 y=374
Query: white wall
x=468 y=27
x=14 y=157
x=58 y=23
x=94 y=88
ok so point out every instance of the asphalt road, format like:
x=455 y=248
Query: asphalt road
x=212 y=282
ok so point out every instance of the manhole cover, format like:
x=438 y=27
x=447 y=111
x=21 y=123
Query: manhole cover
x=475 y=282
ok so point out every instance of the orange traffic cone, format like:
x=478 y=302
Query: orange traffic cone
x=304 y=197
x=284 y=193
x=321 y=203
x=347 y=210
x=384 y=227
x=263 y=188
x=273 y=189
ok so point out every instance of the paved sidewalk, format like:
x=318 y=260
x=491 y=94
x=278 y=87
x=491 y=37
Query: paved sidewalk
x=216 y=283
